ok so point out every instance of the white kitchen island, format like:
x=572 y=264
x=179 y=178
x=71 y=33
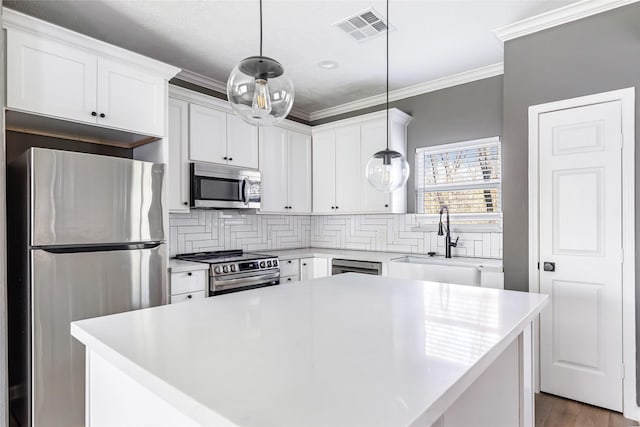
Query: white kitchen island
x=349 y=350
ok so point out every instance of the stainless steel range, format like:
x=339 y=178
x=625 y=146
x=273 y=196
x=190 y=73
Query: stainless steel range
x=233 y=271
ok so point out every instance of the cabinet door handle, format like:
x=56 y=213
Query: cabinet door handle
x=189 y=296
x=288 y=279
x=185 y=203
x=289 y=261
x=102 y=115
x=337 y=207
x=189 y=274
x=230 y=159
x=386 y=206
x=333 y=207
x=225 y=158
x=93 y=113
x=304 y=264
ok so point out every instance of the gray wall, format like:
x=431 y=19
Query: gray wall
x=596 y=54
x=460 y=113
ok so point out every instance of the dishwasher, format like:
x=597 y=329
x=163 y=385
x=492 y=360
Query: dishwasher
x=339 y=266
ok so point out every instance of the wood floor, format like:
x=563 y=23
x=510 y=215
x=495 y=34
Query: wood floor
x=553 y=411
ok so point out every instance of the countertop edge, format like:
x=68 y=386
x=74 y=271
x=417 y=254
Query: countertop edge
x=184 y=403
x=440 y=405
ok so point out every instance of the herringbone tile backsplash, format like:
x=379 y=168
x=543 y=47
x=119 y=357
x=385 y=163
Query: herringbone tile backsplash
x=204 y=230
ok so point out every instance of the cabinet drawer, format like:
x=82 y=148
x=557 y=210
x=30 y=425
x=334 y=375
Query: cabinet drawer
x=187 y=297
x=289 y=267
x=289 y=279
x=188 y=281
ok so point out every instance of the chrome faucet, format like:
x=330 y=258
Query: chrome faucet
x=448 y=244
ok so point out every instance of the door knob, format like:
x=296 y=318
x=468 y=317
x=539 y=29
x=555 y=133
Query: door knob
x=549 y=266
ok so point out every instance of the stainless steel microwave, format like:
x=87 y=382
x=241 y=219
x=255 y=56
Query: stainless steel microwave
x=224 y=187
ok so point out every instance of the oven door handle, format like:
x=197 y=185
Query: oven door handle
x=244 y=281
x=245 y=191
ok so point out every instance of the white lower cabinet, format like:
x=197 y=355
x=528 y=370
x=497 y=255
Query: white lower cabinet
x=290 y=267
x=296 y=270
x=188 y=285
x=187 y=297
x=313 y=268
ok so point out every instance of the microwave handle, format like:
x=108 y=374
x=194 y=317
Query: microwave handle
x=245 y=191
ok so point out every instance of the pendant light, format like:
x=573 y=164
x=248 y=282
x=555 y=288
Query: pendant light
x=258 y=90
x=387 y=170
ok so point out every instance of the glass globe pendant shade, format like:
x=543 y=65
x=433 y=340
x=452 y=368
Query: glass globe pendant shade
x=259 y=91
x=387 y=170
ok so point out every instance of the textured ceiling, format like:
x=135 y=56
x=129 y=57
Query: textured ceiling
x=432 y=39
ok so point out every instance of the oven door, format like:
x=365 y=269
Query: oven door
x=243 y=281
x=214 y=186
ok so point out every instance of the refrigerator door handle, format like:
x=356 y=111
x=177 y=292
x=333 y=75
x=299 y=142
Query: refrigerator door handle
x=102 y=248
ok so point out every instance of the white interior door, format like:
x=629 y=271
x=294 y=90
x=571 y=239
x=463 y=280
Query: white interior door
x=580 y=183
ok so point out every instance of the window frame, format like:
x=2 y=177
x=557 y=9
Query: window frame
x=428 y=222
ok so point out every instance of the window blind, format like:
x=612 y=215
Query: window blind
x=464 y=176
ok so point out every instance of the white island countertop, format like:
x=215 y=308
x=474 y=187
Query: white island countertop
x=349 y=350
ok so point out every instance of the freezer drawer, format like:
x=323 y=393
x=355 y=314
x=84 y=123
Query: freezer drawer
x=72 y=286
x=85 y=199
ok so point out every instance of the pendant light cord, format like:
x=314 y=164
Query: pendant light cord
x=260 y=27
x=388 y=27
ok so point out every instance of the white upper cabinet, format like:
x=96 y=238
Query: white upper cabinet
x=341 y=151
x=50 y=78
x=285 y=163
x=129 y=98
x=299 y=183
x=274 y=164
x=242 y=143
x=348 y=177
x=217 y=136
x=373 y=140
x=178 y=165
x=207 y=135
x=57 y=73
x=324 y=172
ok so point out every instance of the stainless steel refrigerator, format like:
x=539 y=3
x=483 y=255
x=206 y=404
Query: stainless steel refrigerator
x=86 y=239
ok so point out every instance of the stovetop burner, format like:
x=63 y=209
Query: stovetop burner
x=215 y=257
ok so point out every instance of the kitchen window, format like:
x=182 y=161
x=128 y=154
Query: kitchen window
x=465 y=176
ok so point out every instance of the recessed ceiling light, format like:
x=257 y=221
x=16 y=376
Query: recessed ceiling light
x=328 y=65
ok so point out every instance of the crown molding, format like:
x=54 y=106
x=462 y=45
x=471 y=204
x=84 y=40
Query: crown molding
x=221 y=87
x=407 y=92
x=204 y=81
x=553 y=18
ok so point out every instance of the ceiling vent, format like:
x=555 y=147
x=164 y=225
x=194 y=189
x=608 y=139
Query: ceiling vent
x=363 y=26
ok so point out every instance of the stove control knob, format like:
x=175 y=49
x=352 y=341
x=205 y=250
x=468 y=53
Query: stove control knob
x=275 y=262
x=262 y=264
x=225 y=268
x=269 y=263
x=217 y=269
x=233 y=268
